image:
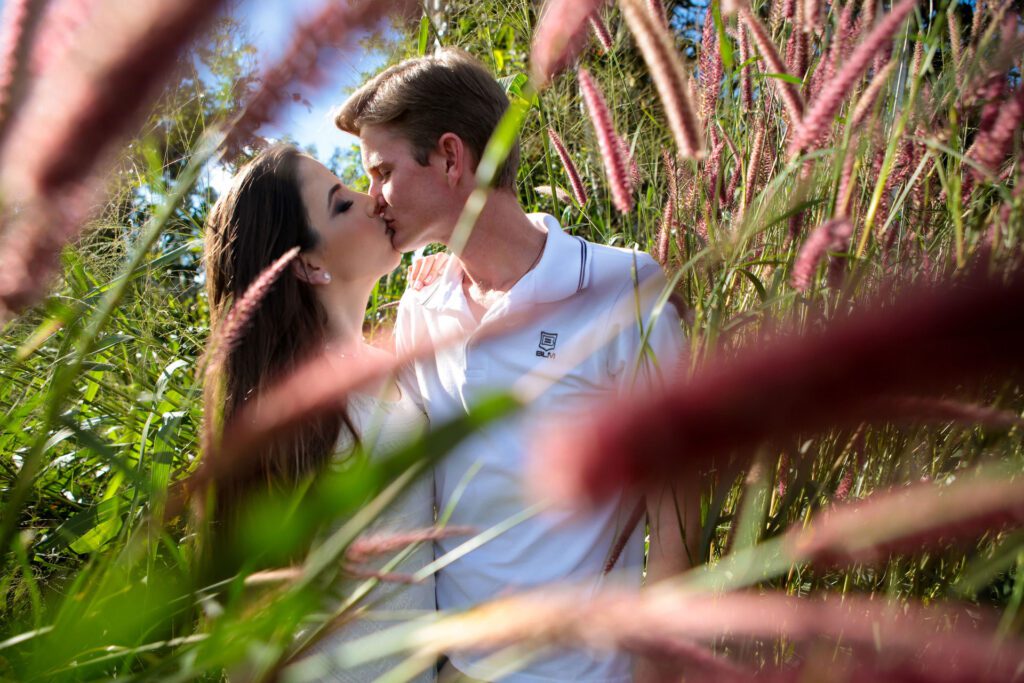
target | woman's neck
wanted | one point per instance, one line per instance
(346, 303)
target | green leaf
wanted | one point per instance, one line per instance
(724, 46)
(982, 570)
(108, 523)
(788, 78)
(758, 285)
(424, 38)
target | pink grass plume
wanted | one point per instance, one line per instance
(657, 10)
(787, 91)
(235, 324)
(833, 235)
(634, 168)
(672, 622)
(746, 83)
(367, 547)
(847, 182)
(867, 99)
(20, 18)
(710, 68)
(601, 32)
(80, 107)
(920, 517)
(60, 139)
(333, 25)
(823, 110)
(665, 230)
(993, 144)
(799, 383)
(671, 173)
(812, 16)
(616, 166)
(659, 52)
(575, 181)
(560, 35)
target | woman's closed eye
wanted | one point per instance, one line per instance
(342, 207)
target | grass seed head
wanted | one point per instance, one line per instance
(658, 49)
(615, 164)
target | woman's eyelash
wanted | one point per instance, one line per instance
(342, 207)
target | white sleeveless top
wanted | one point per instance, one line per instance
(384, 426)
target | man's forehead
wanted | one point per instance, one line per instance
(380, 144)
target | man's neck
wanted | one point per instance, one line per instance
(504, 246)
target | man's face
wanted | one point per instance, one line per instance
(413, 200)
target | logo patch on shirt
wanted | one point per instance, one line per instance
(546, 347)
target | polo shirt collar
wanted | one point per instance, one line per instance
(563, 270)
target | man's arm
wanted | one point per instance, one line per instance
(648, 352)
(653, 350)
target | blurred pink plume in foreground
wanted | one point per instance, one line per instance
(667, 622)
(560, 36)
(931, 340)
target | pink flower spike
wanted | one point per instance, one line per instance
(832, 235)
(710, 68)
(615, 165)
(601, 32)
(992, 145)
(19, 22)
(787, 91)
(669, 76)
(634, 168)
(332, 25)
(818, 119)
(657, 10)
(237, 320)
(578, 190)
(559, 36)
(665, 231)
(792, 385)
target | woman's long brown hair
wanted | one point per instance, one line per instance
(254, 223)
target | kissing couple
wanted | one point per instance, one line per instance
(537, 310)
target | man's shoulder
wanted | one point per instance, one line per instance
(610, 265)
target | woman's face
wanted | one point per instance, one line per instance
(354, 245)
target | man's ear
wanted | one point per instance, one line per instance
(307, 271)
(453, 150)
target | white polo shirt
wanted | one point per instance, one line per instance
(581, 341)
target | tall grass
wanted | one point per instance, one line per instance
(835, 196)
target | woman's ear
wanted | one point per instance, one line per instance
(453, 150)
(310, 273)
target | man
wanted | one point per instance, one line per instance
(539, 312)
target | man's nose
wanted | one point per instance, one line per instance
(371, 206)
(377, 196)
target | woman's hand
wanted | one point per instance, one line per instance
(425, 271)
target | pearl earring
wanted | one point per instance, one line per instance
(326, 276)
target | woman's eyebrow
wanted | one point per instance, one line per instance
(330, 194)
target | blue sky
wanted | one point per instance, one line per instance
(268, 24)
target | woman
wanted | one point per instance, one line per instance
(280, 200)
